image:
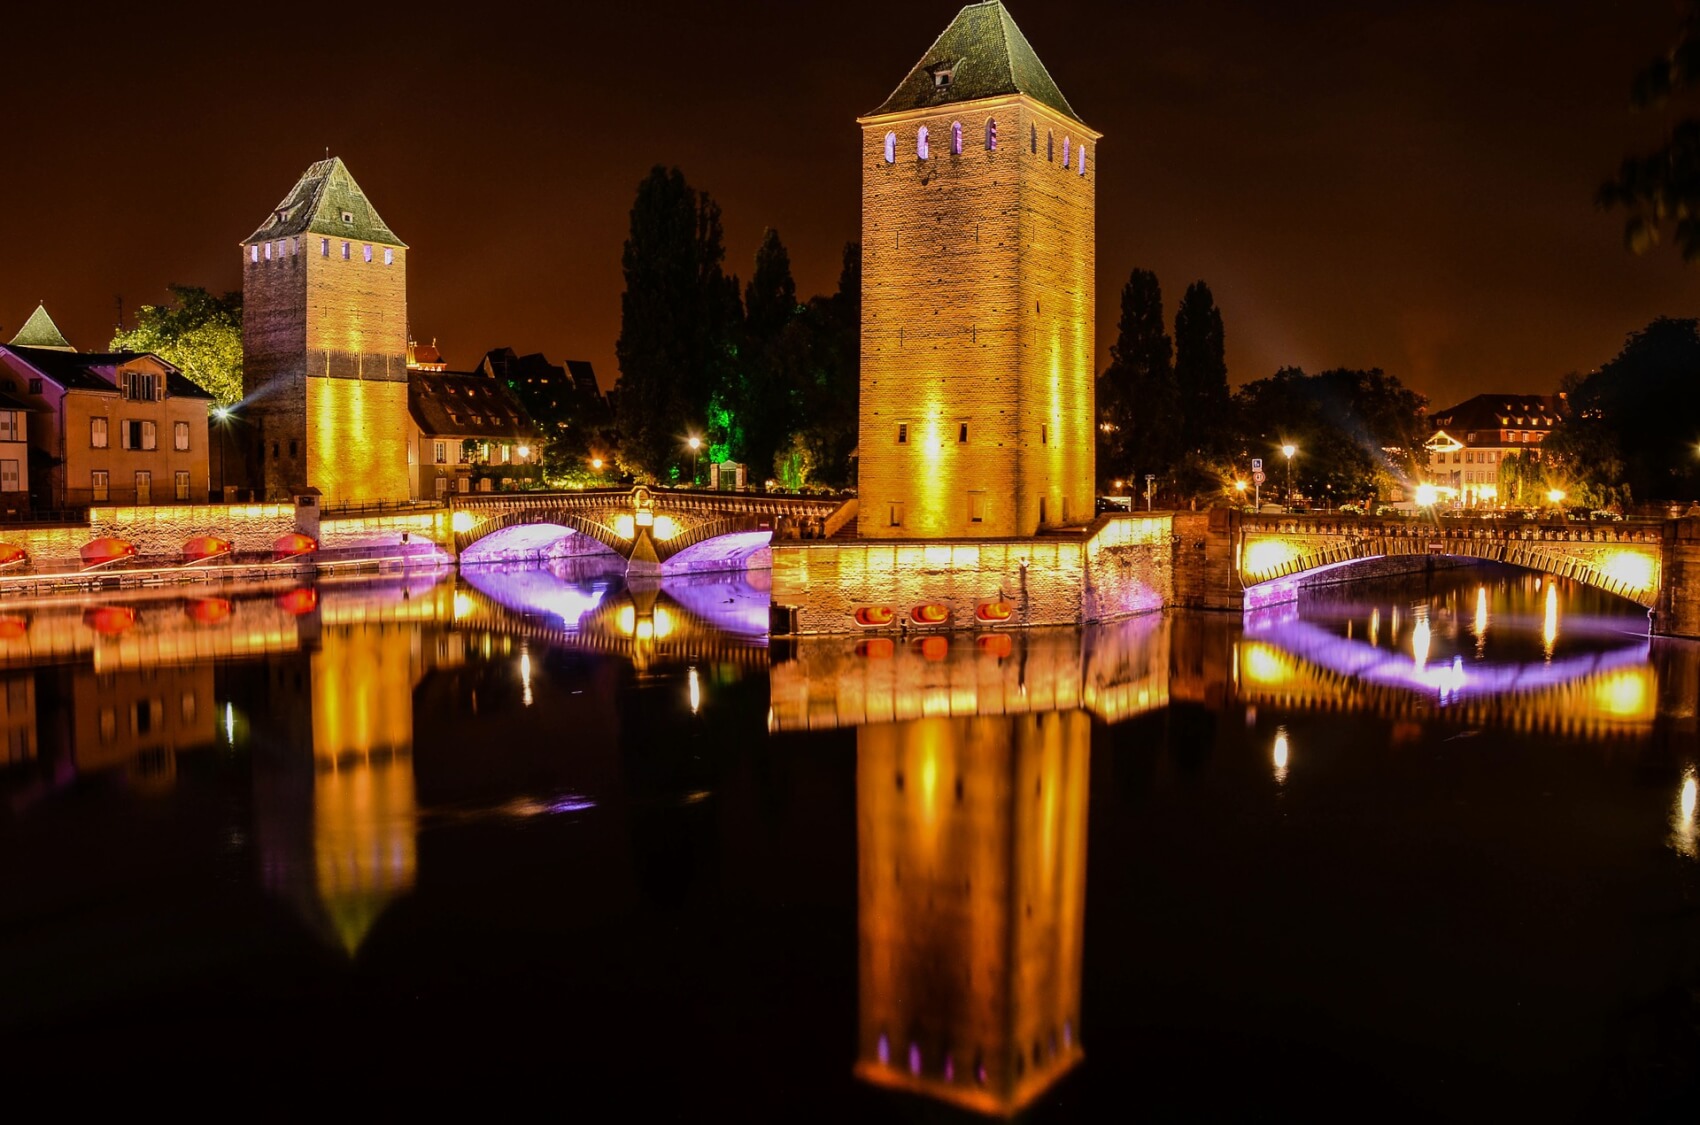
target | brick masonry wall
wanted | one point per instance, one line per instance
(1678, 611)
(1125, 568)
(977, 310)
(274, 368)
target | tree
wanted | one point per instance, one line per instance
(1633, 422)
(678, 316)
(764, 399)
(199, 334)
(1138, 398)
(1663, 187)
(1201, 373)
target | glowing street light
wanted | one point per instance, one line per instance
(1427, 495)
(695, 443)
(596, 464)
(221, 415)
(1555, 495)
(1288, 450)
(1239, 487)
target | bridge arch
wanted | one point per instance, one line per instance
(1274, 561)
(482, 527)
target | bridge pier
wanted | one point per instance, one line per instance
(1677, 612)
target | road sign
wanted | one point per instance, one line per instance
(1257, 464)
(1258, 476)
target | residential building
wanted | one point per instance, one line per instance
(469, 433)
(564, 400)
(104, 428)
(1472, 440)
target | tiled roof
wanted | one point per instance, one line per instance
(982, 54)
(465, 404)
(1500, 411)
(39, 331)
(95, 371)
(316, 205)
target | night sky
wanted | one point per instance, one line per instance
(1404, 184)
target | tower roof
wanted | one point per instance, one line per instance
(39, 331)
(982, 54)
(326, 200)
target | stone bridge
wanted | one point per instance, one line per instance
(655, 531)
(1269, 558)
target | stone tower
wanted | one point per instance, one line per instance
(324, 343)
(977, 294)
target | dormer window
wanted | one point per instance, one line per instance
(348, 218)
(943, 75)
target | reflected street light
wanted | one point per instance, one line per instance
(1288, 450)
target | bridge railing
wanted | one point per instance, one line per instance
(1381, 527)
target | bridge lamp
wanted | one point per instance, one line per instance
(1555, 495)
(1239, 487)
(695, 443)
(524, 451)
(596, 463)
(1288, 450)
(1427, 495)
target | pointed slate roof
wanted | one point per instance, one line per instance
(316, 205)
(986, 56)
(39, 331)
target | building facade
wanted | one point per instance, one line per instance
(324, 342)
(978, 226)
(106, 428)
(469, 432)
(1468, 452)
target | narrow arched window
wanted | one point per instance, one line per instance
(923, 149)
(1050, 146)
(991, 134)
(891, 148)
(1065, 154)
(1033, 139)
(956, 138)
(1081, 159)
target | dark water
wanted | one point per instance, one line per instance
(1421, 849)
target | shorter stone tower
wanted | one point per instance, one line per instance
(324, 345)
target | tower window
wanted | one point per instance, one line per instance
(389, 256)
(368, 252)
(896, 514)
(1033, 139)
(1081, 158)
(345, 251)
(943, 76)
(1050, 146)
(1065, 154)
(976, 507)
(991, 134)
(268, 251)
(324, 247)
(348, 218)
(923, 149)
(891, 148)
(903, 433)
(962, 434)
(1044, 434)
(956, 138)
(253, 253)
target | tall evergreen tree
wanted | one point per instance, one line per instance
(1138, 400)
(763, 401)
(677, 319)
(1201, 373)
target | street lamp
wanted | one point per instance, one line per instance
(695, 444)
(1239, 487)
(1289, 449)
(221, 415)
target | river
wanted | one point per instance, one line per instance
(1411, 848)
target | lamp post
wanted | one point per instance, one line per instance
(695, 444)
(1239, 487)
(1149, 477)
(221, 415)
(1289, 449)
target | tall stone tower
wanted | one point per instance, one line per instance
(324, 343)
(977, 294)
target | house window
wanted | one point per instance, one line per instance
(144, 487)
(35, 386)
(8, 476)
(991, 134)
(389, 256)
(962, 434)
(324, 247)
(891, 148)
(896, 514)
(182, 484)
(923, 149)
(956, 138)
(368, 252)
(137, 434)
(180, 436)
(442, 451)
(903, 433)
(141, 386)
(10, 429)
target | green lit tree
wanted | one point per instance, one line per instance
(678, 318)
(1138, 398)
(198, 333)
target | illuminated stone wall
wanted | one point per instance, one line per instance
(971, 838)
(977, 311)
(325, 369)
(1125, 567)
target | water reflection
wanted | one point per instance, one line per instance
(1682, 821)
(971, 835)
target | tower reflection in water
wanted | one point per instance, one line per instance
(971, 836)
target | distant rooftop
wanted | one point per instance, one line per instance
(982, 54)
(96, 371)
(1496, 410)
(39, 331)
(326, 200)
